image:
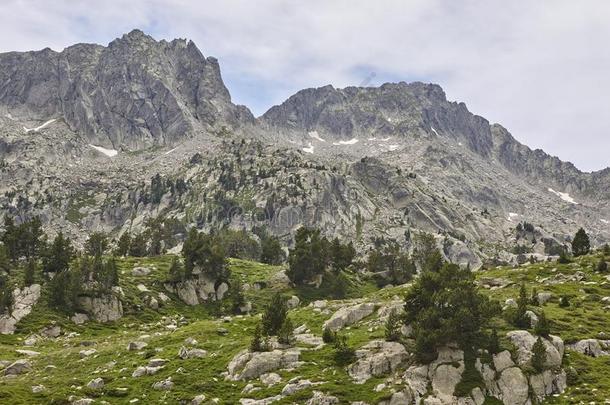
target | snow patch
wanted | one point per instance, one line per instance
(434, 130)
(170, 151)
(393, 147)
(372, 139)
(605, 221)
(308, 149)
(314, 135)
(37, 129)
(564, 196)
(350, 142)
(512, 215)
(107, 152)
(385, 139)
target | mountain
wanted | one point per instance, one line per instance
(86, 131)
(136, 92)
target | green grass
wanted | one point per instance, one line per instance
(585, 318)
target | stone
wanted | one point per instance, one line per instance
(140, 271)
(198, 400)
(190, 341)
(31, 340)
(293, 387)
(533, 318)
(163, 385)
(502, 361)
(79, 318)
(96, 384)
(319, 398)
(524, 341)
(375, 359)
(589, 347)
(163, 297)
(270, 379)
(194, 353)
(152, 302)
(416, 378)
(349, 315)
(87, 353)
(36, 389)
(18, 367)
(477, 396)
(105, 308)
(221, 290)
(247, 365)
(513, 386)
(544, 297)
(145, 370)
(83, 401)
(293, 302)
(29, 353)
(136, 346)
(309, 339)
(52, 331)
(510, 303)
(156, 362)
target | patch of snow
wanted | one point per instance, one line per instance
(372, 139)
(350, 142)
(605, 221)
(393, 147)
(564, 196)
(107, 152)
(308, 149)
(314, 135)
(460, 143)
(434, 130)
(170, 151)
(291, 141)
(37, 129)
(385, 139)
(512, 215)
(10, 117)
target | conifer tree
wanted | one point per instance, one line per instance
(543, 327)
(538, 355)
(274, 315)
(581, 244)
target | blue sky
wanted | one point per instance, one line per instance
(538, 68)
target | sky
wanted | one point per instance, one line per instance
(539, 68)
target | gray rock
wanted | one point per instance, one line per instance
(186, 353)
(140, 271)
(349, 315)
(198, 400)
(136, 346)
(106, 308)
(514, 386)
(157, 362)
(524, 342)
(36, 389)
(79, 318)
(544, 297)
(293, 302)
(291, 388)
(96, 384)
(502, 361)
(52, 331)
(375, 359)
(23, 302)
(163, 385)
(247, 365)
(270, 379)
(319, 398)
(87, 353)
(18, 367)
(589, 347)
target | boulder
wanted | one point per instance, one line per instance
(163, 385)
(544, 297)
(96, 384)
(36, 389)
(145, 370)
(23, 302)
(416, 379)
(589, 347)
(51, 331)
(105, 308)
(82, 401)
(157, 362)
(87, 353)
(221, 290)
(349, 315)
(198, 400)
(524, 341)
(18, 367)
(375, 359)
(533, 318)
(547, 383)
(186, 353)
(502, 361)
(270, 379)
(293, 387)
(136, 346)
(319, 398)
(79, 318)
(293, 302)
(194, 290)
(247, 365)
(513, 386)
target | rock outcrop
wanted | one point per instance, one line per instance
(376, 359)
(104, 308)
(247, 365)
(23, 301)
(349, 315)
(197, 290)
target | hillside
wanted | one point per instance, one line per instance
(63, 365)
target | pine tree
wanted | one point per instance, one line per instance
(285, 335)
(123, 244)
(520, 318)
(543, 327)
(344, 354)
(274, 315)
(258, 342)
(96, 244)
(564, 301)
(328, 336)
(138, 246)
(602, 266)
(581, 244)
(271, 250)
(6, 295)
(29, 273)
(539, 355)
(59, 255)
(309, 257)
(392, 326)
(176, 271)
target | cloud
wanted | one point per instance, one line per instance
(538, 68)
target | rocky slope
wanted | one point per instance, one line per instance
(84, 131)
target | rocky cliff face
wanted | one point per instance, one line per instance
(360, 163)
(134, 93)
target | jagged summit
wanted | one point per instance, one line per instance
(134, 93)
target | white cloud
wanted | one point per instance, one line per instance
(538, 68)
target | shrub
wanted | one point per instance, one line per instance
(392, 326)
(309, 258)
(581, 244)
(96, 244)
(542, 328)
(176, 271)
(539, 355)
(259, 342)
(271, 250)
(344, 354)
(519, 317)
(602, 266)
(274, 315)
(493, 345)
(285, 335)
(328, 336)
(563, 258)
(564, 301)
(29, 274)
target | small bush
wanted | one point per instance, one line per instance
(259, 342)
(493, 345)
(285, 335)
(328, 336)
(543, 327)
(274, 315)
(602, 266)
(344, 354)
(564, 301)
(392, 326)
(539, 355)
